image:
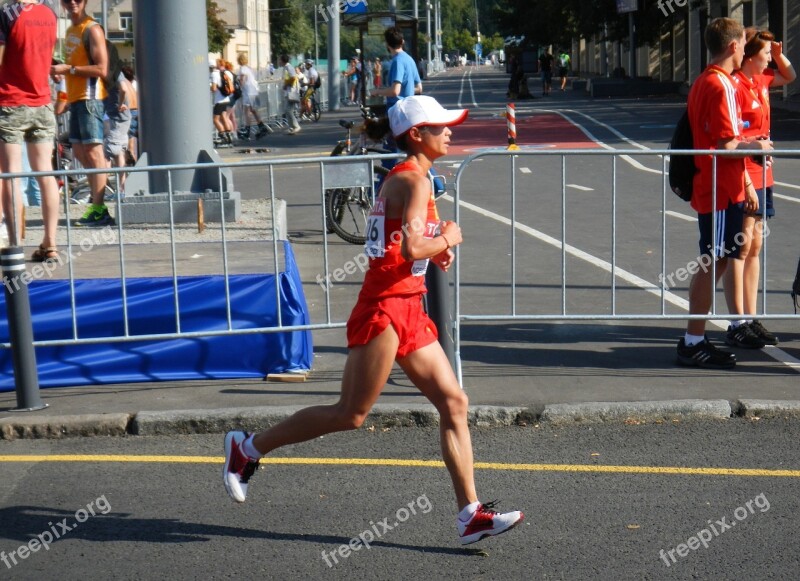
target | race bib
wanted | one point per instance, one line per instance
(376, 230)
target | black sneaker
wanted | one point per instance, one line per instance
(762, 333)
(704, 354)
(262, 131)
(744, 337)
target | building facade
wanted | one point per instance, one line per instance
(247, 20)
(681, 53)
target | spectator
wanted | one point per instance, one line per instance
(291, 91)
(221, 104)
(232, 109)
(31, 192)
(86, 66)
(755, 80)
(377, 72)
(115, 139)
(27, 39)
(715, 118)
(251, 100)
(403, 79)
(564, 63)
(546, 61)
(351, 74)
(133, 106)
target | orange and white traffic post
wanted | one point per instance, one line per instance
(511, 119)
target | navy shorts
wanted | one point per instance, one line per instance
(728, 238)
(765, 201)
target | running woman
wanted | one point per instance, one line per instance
(389, 324)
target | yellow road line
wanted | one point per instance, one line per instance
(596, 468)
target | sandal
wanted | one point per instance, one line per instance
(46, 254)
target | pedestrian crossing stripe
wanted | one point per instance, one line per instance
(395, 462)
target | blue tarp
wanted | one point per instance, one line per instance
(151, 309)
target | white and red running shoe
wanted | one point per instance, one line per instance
(487, 522)
(238, 467)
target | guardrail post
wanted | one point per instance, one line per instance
(438, 301)
(20, 330)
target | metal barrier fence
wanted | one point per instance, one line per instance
(609, 310)
(330, 178)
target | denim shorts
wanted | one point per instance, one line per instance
(29, 124)
(134, 128)
(764, 201)
(86, 121)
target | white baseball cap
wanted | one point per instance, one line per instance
(422, 110)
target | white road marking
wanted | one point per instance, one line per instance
(623, 274)
(785, 185)
(525, 170)
(582, 188)
(680, 216)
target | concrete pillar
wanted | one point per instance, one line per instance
(175, 103)
(334, 78)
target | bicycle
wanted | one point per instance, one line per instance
(347, 209)
(314, 111)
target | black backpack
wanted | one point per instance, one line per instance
(114, 62)
(681, 167)
(230, 85)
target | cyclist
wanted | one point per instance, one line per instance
(313, 83)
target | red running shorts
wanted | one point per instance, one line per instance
(405, 314)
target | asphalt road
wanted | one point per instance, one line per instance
(600, 502)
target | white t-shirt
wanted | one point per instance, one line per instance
(216, 79)
(250, 84)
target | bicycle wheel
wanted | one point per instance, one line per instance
(348, 209)
(315, 110)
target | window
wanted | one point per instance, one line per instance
(126, 20)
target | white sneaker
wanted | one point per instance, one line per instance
(487, 522)
(238, 467)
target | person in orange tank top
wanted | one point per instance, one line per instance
(755, 80)
(84, 70)
(388, 324)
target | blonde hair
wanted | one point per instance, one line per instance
(242, 59)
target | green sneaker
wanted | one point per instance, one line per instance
(95, 217)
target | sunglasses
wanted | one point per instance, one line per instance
(67, 2)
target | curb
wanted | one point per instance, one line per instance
(598, 412)
(214, 421)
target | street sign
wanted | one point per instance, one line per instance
(624, 6)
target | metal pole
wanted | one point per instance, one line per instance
(20, 330)
(316, 41)
(104, 9)
(392, 5)
(439, 310)
(171, 41)
(334, 78)
(416, 10)
(258, 43)
(428, 24)
(632, 56)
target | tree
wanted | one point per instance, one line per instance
(291, 27)
(218, 34)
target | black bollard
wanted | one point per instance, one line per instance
(20, 330)
(438, 301)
